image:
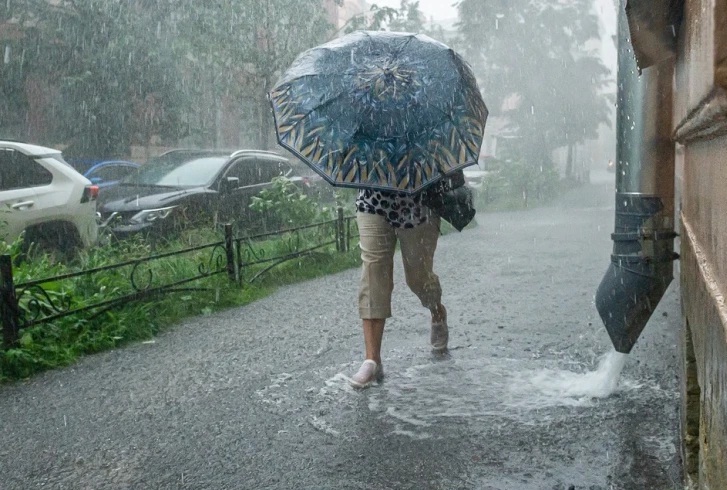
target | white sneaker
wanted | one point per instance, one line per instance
(367, 374)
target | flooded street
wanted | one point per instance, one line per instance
(257, 397)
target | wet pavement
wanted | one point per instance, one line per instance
(256, 397)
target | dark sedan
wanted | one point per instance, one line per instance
(190, 187)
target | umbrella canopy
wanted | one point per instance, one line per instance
(380, 110)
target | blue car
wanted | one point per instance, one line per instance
(109, 173)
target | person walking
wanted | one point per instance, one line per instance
(392, 114)
(383, 219)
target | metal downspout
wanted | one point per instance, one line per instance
(641, 263)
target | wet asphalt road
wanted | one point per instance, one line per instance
(255, 397)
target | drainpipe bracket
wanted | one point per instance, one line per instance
(642, 258)
(641, 235)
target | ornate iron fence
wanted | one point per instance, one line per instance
(243, 259)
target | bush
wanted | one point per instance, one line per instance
(516, 184)
(284, 205)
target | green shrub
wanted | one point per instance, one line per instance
(284, 205)
(515, 184)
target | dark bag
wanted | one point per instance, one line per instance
(451, 200)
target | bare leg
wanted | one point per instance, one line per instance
(439, 314)
(439, 336)
(373, 330)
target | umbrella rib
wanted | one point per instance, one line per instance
(398, 52)
(323, 104)
(455, 127)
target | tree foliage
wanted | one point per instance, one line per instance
(533, 54)
(122, 71)
(100, 62)
(245, 46)
(407, 18)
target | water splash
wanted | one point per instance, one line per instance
(499, 393)
(554, 387)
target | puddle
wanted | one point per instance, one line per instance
(501, 392)
(493, 392)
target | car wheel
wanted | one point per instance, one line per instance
(60, 241)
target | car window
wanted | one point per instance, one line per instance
(112, 172)
(273, 168)
(189, 173)
(18, 171)
(254, 171)
(244, 169)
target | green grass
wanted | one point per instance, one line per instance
(62, 341)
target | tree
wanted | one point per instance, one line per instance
(126, 70)
(103, 58)
(407, 18)
(245, 46)
(534, 52)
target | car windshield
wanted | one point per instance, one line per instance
(187, 173)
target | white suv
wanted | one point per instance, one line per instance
(46, 198)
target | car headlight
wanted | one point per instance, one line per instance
(149, 215)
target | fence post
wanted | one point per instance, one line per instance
(339, 230)
(230, 253)
(348, 235)
(8, 303)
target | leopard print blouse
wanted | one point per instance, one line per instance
(400, 210)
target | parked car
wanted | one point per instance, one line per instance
(109, 173)
(475, 176)
(43, 196)
(181, 188)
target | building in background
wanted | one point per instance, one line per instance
(339, 15)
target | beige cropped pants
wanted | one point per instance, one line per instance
(378, 243)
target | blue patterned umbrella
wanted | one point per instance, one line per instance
(380, 110)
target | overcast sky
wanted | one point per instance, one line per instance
(438, 9)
